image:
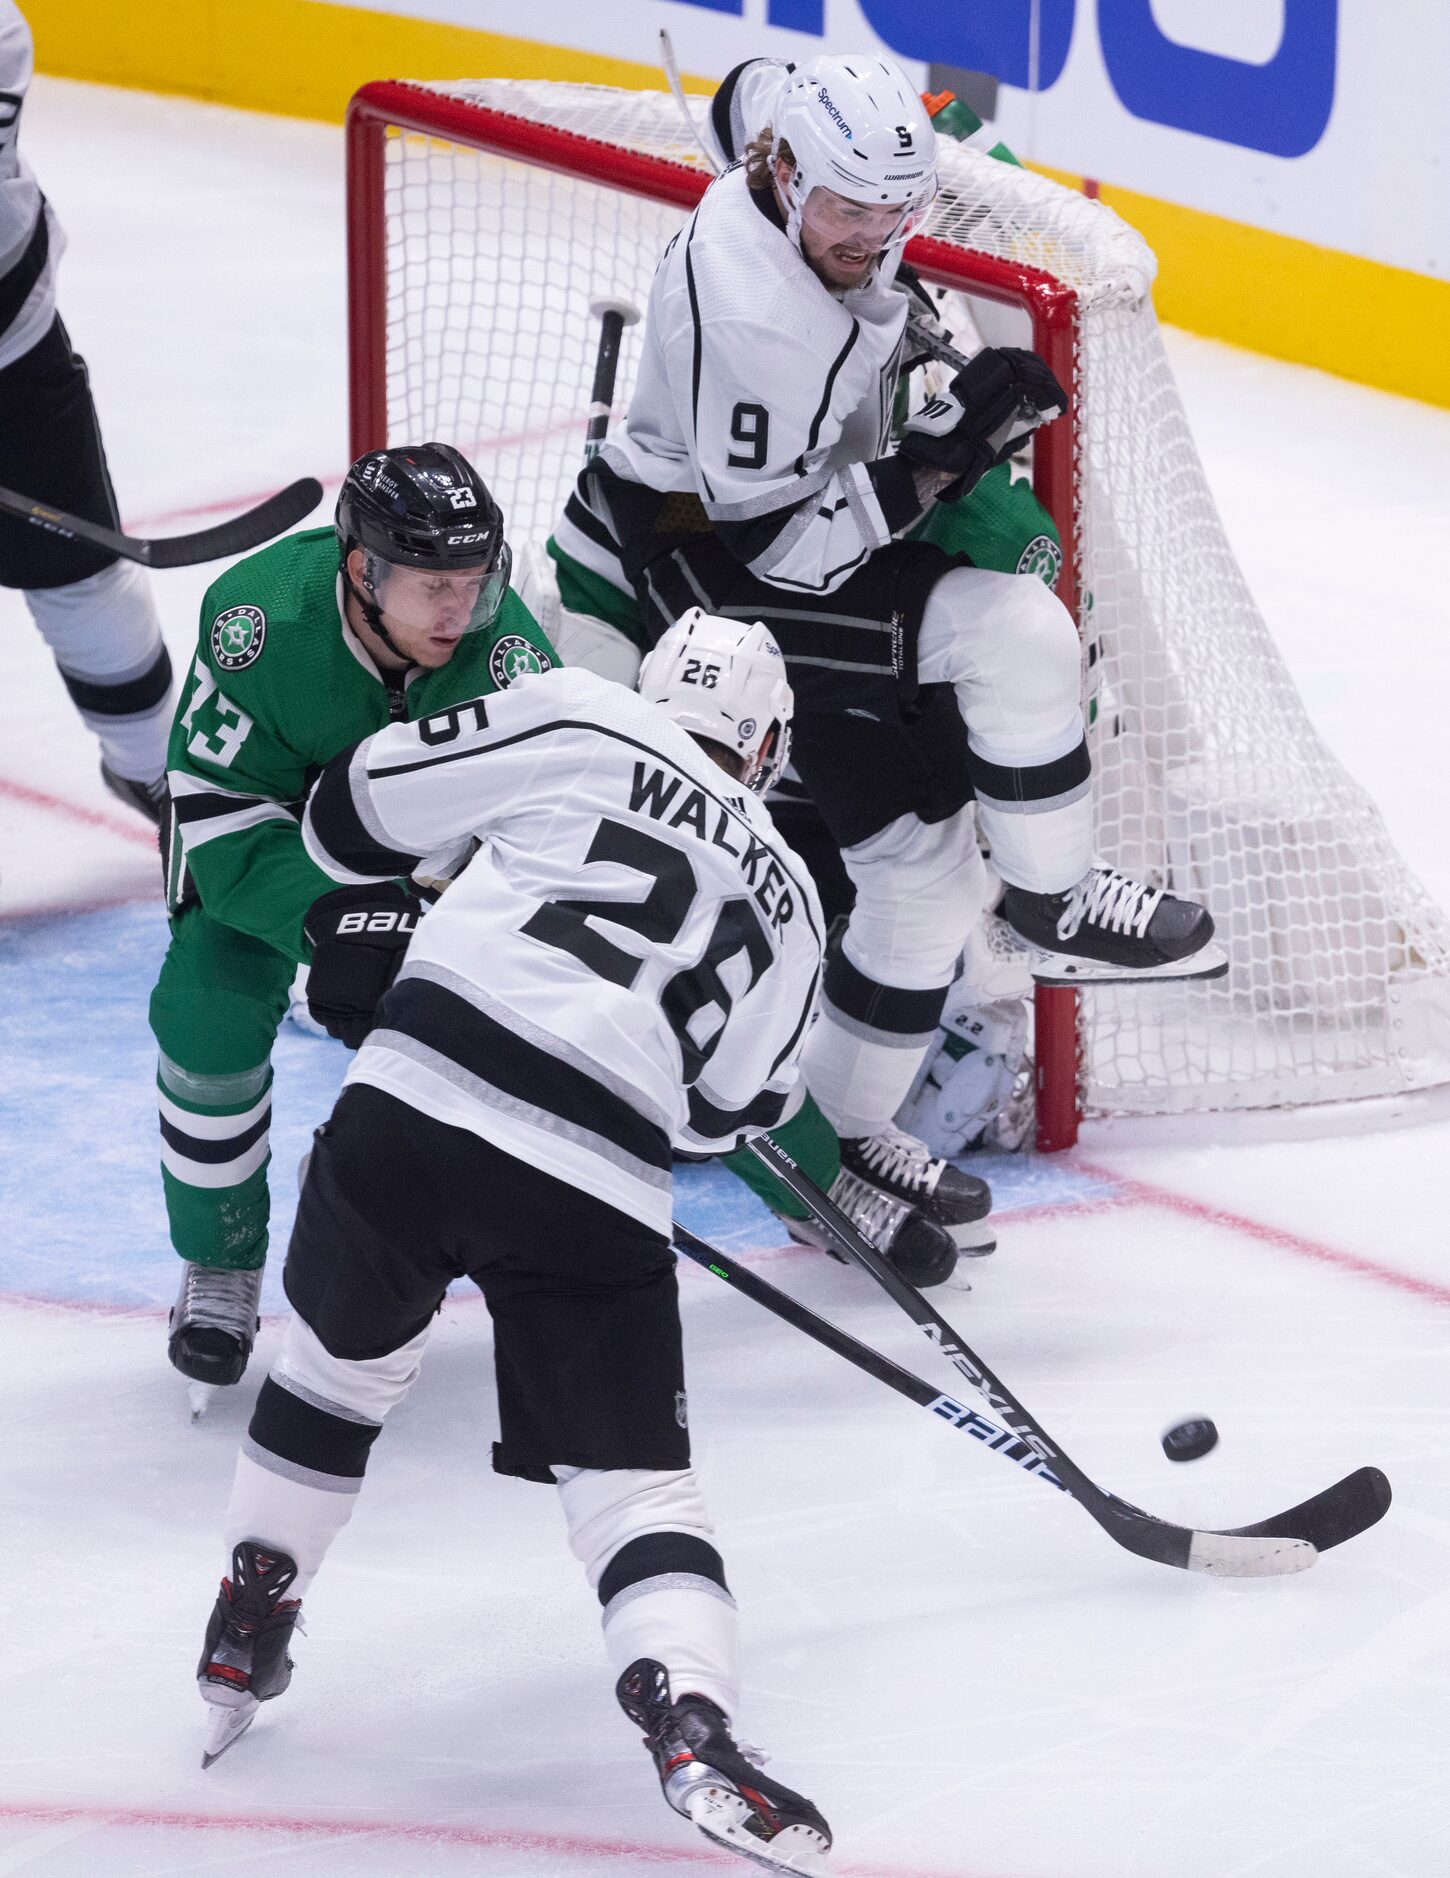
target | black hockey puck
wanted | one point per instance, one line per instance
(1190, 1441)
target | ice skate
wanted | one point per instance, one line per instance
(213, 1325)
(244, 1660)
(1111, 929)
(906, 1168)
(921, 1250)
(707, 1778)
(150, 798)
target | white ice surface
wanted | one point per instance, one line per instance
(965, 1674)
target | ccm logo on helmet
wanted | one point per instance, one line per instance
(464, 541)
(353, 923)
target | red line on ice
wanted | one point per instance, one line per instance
(45, 1812)
(237, 505)
(1143, 1193)
(74, 812)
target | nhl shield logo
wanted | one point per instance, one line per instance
(682, 1408)
(237, 637)
(513, 658)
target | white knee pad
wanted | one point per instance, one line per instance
(605, 1509)
(104, 627)
(356, 1391)
(1010, 648)
(920, 887)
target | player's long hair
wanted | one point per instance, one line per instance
(758, 173)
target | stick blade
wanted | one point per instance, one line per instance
(242, 533)
(1340, 1512)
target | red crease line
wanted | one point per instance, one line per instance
(73, 812)
(1143, 1193)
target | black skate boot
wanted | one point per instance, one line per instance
(706, 1777)
(1110, 929)
(906, 1168)
(244, 1660)
(922, 1251)
(150, 798)
(213, 1325)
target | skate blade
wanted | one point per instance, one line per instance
(974, 1239)
(226, 1725)
(198, 1396)
(1060, 968)
(719, 1814)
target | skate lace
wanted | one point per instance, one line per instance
(898, 1156)
(221, 1300)
(1111, 901)
(876, 1215)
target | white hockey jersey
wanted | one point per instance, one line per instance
(31, 240)
(627, 965)
(769, 396)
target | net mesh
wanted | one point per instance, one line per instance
(1210, 779)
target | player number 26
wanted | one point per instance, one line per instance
(697, 672)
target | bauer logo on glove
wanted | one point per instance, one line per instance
(358, 937)
(991, 407)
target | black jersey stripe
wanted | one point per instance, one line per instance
(716, 1124)
(340, 831)
(831, 376)
(1039, 782)
(698, 355)
(205, 808)
(451, 1027)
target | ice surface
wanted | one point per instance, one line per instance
(949, 1657)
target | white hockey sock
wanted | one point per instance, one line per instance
(860, 1078)
(295, 1516)
(107, 642)
(644, 1539)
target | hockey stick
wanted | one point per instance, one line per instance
(677, 92)
(1289, 1542)
(613, 316)
(238, 536)
(791, 1311)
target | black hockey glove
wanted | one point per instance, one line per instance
(990, 408)
(358, 937)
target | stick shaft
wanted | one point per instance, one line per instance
(872, 1362)
(606, 365)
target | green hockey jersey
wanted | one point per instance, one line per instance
(280, 684)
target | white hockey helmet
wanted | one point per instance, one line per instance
(857, 127)
(725, 680)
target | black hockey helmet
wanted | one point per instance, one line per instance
(422, 506)
(425, 506)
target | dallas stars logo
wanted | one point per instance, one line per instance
(1041, 557)
(237, 637)
(513, 658)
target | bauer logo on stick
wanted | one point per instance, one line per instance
(237, 637)
(514, 658)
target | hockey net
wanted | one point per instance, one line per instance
(484, 218)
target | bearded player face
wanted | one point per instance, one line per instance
(842, 240)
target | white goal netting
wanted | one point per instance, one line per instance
(1210, 777)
